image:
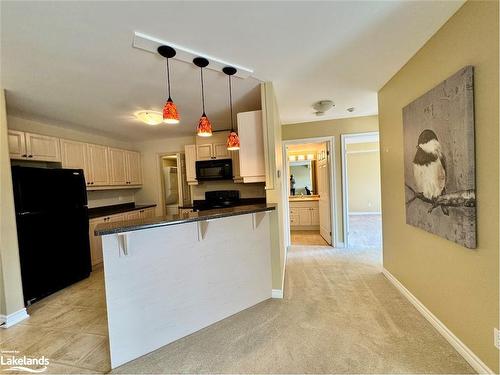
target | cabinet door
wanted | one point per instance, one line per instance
(118, 166)
(98, 162)
(305, 216)
(117, 217)
(134, 172)
(204, 152)
(42, 147)
(315, 216)
(190, 152)
(251, 153)
(134, 215)
(17, 145)
(220, 151)
(74, 155)
(95, 241)
(149, 213)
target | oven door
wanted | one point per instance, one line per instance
(214, 170)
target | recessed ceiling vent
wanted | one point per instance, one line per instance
(322, 106)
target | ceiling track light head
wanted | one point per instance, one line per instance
(166, 51)
(229, 70)
(200, 62)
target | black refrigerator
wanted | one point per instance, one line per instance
(52, 229)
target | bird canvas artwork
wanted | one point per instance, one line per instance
(438, 130)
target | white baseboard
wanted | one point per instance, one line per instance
(340, 245)
(277, 293)
(365, 213)
(14, 318)
(459, 346)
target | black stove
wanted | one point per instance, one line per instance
(217, 199)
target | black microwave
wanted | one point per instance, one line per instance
(214, 170)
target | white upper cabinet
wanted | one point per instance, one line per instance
(190, 152)
(118, 166)
(104, 167)
(134, 172)
(74, 155)
(251, 162)
(99, 164)
(42, 147)
(17, 145)
(30, 146)
(213, 147)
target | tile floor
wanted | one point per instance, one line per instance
(69, 328)
(307, 237)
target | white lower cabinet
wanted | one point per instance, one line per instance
(95, 241)
(304, 215)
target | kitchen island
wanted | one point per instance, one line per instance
(169, 276)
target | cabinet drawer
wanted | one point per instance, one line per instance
(294, 220)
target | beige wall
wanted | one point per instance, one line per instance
(459, 286)
(335, 128)
(363, 176)
(11, 294)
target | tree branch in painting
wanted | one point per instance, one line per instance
(464, 198)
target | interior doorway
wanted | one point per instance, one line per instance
(309, 192)
(361, 190)
(174, 187)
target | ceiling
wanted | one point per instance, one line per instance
(72, 63)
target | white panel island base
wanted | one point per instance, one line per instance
(166, 282)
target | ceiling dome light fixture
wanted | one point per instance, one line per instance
(322, 106)
(170, 113)
(233, 141)
(204, 128)
(149, 117)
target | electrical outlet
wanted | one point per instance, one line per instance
(496, 338)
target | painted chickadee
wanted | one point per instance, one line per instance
(429, 166)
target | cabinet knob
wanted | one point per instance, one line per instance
(30, 156)
(24, 155)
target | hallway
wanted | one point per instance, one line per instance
(339, 315)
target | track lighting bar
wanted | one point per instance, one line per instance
(151, 44)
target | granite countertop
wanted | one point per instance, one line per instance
(116, 209)
(161, 221)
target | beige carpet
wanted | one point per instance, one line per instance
(340, 315)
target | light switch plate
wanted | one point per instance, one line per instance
(496, 334)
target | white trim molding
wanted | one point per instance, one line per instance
(277, 293)
(459, 346)
(14, 318)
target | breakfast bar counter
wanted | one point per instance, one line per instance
(170, 276)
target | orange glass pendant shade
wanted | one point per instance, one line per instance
(204, 128)
(233, 141)
(170, 114)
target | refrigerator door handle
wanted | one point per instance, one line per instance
(122, 243)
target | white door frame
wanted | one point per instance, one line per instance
(370, 137)
(330, 144)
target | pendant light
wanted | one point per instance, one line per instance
(170, 114)
(204, 128)
(233, 141)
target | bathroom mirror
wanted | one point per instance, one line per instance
(302, 177)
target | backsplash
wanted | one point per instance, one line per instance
(99, 198)
(255, 190)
